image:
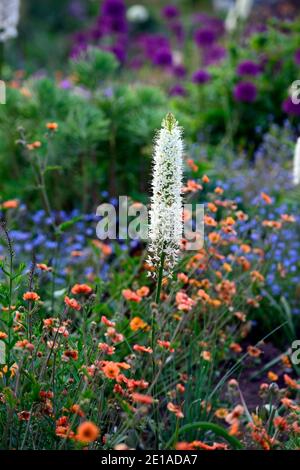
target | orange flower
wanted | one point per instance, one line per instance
(139, 348)
(111, 370)
(140, 398)
(290, 382)
(183, 278)
(107, 322)
(206, 355)
(219, 190)
(52, 126)
(175, 409)
(214, 237)
(3, 335)
(180, 388)
(143, 291)
(31, 296)
(210, 221)
(106, 349)
(77, 410)
(81, 289)
(256, 276)
(192, 187)
(272, 376)
(221, 413)
(72, 303)
(235, 347)
(280, 423)
(253, 351)
(205, 179)
(166, 345)
(266, 198)
(10, 204)
(87, 432)
(43, 267)
(129, 294)
(137, 324)
(203, 446)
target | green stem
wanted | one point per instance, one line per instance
(153, 344)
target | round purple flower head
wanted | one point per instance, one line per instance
(170, 11)
(291, 108)
(297, 57)
(245, 92)
(205, 37)
(163, 57)
(177, 90)
(179, 71)
(113, 8)
(201, 76)
(248, 67)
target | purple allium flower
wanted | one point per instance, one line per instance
(291, 108)
(163, 57)
(297, 57)
(205, 37)
(179, 71)
(214, 54)
(177, 90)
(201, 76)
(245, 92)
(170, 11)
(65, 84)
(248, 67)
(113, 8)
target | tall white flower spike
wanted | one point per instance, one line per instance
(9, 18)
(296, 172)
(166, 217)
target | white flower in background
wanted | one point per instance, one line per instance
(240, 11)
(296, 175)
(166, 224)
(243, 8)
(137, 14)
(9, 18)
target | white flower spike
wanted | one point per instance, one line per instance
(296, 173)
(9, 18)
(166, 216)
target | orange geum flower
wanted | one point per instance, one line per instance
(235, 347)
(253, 351)
(165, 345)
(140, 398)
(137, 324)
(221, 413)
(33, 296)
(210, 221)
(272, 376)
(205, 179)
(214, 237)
(143, 291)
(72, 303)
(144, 349)
(212, 207)
(291, 383)
(190, 162)
(10, 204)
(107, 322)
(87, 432)
(227, 267)
(183, 278)
(206, 355)
(191, 187)
(76, 409)
(203, 295)
(52, 126)
(236, 413)
(257, 276)
(3, 335)
(266, 198)
(288, 218)
(81, 289)
(245, 248)
(180, 388)
(290, 404)
(175, 409)
(43, 267)
(106, 348)
(219, 190)
(280, 423)
(129, 294)
(111, 370)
